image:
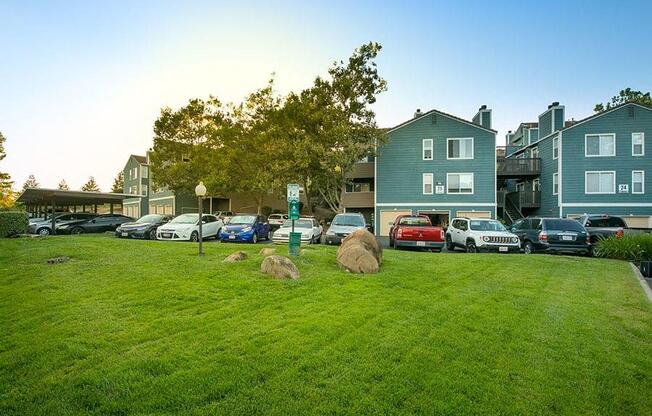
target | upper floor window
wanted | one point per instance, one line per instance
(555, 147)
(427, 149)
(535, 152)
(360, 185)
(459, 183)
(638, 144)
(638, 181)
(555, 184)
(134, 173)
(600, 182)
(427, 183)
(143, 190)
(460, 148)
(144, 172)
(599, 145)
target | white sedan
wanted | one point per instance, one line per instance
(185, 227)
(308, 227)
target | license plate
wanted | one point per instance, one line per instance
(421, 243)
(503, 249)
(125, 234)
(166, 235)
(231, 237)
(567, 238)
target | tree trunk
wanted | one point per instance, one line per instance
(306, 192)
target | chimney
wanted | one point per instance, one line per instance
(483, 117)
(418, 113)
(551, 120)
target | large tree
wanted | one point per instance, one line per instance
(6, 192)
(118, 183)
(625, 96)
(31, 182)
(63, 185)
(331, 125)
(90, 185)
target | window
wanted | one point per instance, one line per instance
(143, 172)
(597, 182)
(459, 183)
(638, 181)
(427, 183)
(144, 190)
(638, 144)
(460, 148)
(427, 149)
(536, 185)
(555, 184)
(600, 145)
(133, 190)
(535, 152)
(360, 185)
(555, 148)
(134, 174)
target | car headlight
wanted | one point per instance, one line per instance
(485, 238)
(246, 229)
(63, 227)
(514, 239)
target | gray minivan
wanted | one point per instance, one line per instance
(343, 225)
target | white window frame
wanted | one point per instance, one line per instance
(586, 182)
(431, 176)
(533, 152)
(460, 158)
(642, 172)
(536, 183)
(555, 146)
(144, 190)
(555, 183)
(642, 144)
(461, 173)
(599, 135)
(424, 147)
(144, 171)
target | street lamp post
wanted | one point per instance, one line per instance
(200, 191)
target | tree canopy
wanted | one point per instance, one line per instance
(63, 185)
(625, 96)
(7, 194)
(90, 185)
(118, 183)
(31, 182)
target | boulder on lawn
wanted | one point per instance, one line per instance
(279, 267)
(360, 252)
(235, 257)
(267, 251)
(57, 260)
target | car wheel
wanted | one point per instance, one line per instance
(528, 247)
(194, 237)
(43, 232)
(254, 239)
(77, 230)
(449, 243)
(471, 247)
(152, 234)
(391, 242)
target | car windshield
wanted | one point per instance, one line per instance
(563, 225)
(487, 225)
(348, 220)
(415, 221)
(275, 216)
(243, 220)
(185, 219)
(298, 224)
(148, 219)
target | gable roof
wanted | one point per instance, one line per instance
(140, 159)
(441, 113)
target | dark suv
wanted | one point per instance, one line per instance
(552, 235)
(99, 224)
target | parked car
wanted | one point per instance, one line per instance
(247, 228)
(552, 235)
(225, 216)
(98, 224)
(144, 227)
(308, 227)
(481, 234)
(44, 226)
(185, 227)
(603, 226)
(276, 221)
(415, 231)
(343, 225)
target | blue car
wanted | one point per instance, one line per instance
(247, 228)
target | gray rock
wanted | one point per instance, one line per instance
(235, 257)
(279, 267)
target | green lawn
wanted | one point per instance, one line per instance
(138, 327)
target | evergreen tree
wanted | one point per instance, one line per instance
(90, 185)
(63, 185)
(118, 183)
(31, 182)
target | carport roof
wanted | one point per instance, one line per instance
(60, 197)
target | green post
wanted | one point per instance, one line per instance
(295, 238)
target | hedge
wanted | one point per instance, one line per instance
(637, 247)
(12, 223)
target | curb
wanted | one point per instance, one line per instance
(642, 281)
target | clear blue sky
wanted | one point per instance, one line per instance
(81, 83)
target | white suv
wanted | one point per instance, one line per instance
(479, 234)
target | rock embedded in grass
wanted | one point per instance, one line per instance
(267, 251)
(360, 252)
(235, 257)
(57, 260)
(279, 267)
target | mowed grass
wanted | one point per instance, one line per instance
(139, 327)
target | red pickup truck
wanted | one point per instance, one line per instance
(416, 231)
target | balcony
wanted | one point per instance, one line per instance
(518, 167)
(358, 199)
(520, 199)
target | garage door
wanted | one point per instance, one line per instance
(638, 222)
(474, 214)
(387, 219)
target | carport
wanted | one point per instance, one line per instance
(39, 199)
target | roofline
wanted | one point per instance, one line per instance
(452, 117)
(594, 116)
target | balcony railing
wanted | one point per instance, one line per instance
(521, 199)
(517, 167)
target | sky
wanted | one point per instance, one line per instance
(81, 83)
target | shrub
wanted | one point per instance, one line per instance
(637, 247)
(12, 223)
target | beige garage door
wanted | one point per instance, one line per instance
(387, 219)
(474, 214)
(638, 222)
